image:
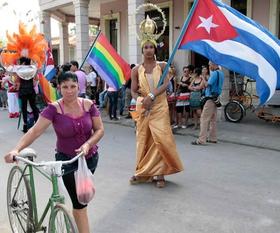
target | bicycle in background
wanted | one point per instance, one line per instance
(21, 197)
(240, 91)
(240, 100)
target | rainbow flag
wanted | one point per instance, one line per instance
(50, 93)
(111, 67)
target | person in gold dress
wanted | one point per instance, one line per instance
(156, 149)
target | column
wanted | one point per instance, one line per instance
(274, 17)
(63, 43)
(225, 95)
(226, 87)
(45, 24)
(134, 47)
(82, 29)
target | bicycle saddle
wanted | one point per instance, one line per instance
(28, 153)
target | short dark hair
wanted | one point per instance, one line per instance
(190, 67)
(66, 67)
(25, 61)
(66, 76)
(75, 63)
(197, 71)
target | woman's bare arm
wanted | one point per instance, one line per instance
(134, 82)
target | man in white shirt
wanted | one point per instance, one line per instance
(92, 83)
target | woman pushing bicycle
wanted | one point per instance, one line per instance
(78, 127)
(76, 121)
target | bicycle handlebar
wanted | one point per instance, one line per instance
(48, 163)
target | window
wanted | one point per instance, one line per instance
(113, 30)
(240, 5)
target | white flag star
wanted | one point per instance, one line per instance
(207, 23)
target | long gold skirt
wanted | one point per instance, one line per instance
(156, 148)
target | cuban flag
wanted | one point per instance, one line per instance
(236, 42)
(50, 71)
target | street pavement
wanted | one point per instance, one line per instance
(225, 187)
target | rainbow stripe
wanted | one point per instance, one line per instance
(50, 93)
(111, 67)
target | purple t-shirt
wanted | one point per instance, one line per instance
(71, 132)
(82, 80)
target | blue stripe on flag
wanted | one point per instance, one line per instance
(246, 19)
(232, 63)
(258, 45)
(50, 75)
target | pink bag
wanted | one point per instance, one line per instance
(84, 183)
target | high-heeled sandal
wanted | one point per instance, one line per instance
(139, 179)
(160, 183)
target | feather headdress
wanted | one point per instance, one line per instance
(25, 44)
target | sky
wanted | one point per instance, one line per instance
(12, 11)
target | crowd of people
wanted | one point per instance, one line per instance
(184, 94)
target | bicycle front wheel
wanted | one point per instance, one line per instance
(19, 201)
(61, 221)
(234, 111)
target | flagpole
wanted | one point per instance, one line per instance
(90, 48)
(186, 24)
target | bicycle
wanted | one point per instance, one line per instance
(240, 101)
(241, 94)
(21, 197)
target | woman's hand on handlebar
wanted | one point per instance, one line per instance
(84, 148)
(9, 158)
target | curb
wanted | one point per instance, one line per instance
(176, 132)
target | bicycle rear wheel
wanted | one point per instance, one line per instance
(234, 111)
(61, 221)
(19, 201)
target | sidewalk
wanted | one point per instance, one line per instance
(251, 131)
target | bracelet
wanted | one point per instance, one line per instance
(152, 96)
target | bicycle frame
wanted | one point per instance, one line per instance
(52, 177)
(55, 196)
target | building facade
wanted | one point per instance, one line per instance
(116, 19)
